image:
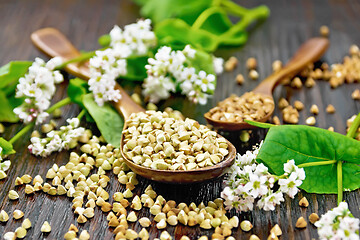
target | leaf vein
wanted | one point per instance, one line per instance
(300, 153)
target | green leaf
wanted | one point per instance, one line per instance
(159, 10)
(307, 144)
(6, 109)
(173, 20)
(12, 71)
(9, 77)
(177, 33)
(237, 34)
(211, 29)
(202, 61)
(76, 89)
(136, 68)
(218, 23)
(233, 38)
(108, 121)
(7, 148)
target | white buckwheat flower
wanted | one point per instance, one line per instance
(158, 88)
(289, 185)
(338, 223)
(198, 97)
(256, 186)
(189, 52)
(176, 66)
(269, 201)
(248, 182)
(295, 177)
(218, 64)
(137, 37)
(206, 81)
(290, 167)
(106, 66)
(187, 79)
(38, 88)
(232, 200)
(65, 138)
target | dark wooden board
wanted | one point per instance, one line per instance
(83, 21)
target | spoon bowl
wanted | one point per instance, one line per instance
(309, 52)
(236, 126)
(183, 177)
(54, 44)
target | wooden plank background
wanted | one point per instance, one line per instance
(83, 21)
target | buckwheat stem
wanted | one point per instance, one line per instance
(204, 16)
(354, 126)
(235, 8)
(312, 164)
(339, 182)
(81, 114)
(57, 105)
(21, 132)
(351, 133)
(81, 58)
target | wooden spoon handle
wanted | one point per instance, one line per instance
(55, 44)
(309, 52)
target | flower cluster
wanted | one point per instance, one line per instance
(248, 181)
(137, 38)
(65, 138)
(38, 88)
(109, 64)
(338, 223)
(293, 178)
(105, 67)
(4, 166)
(171, 69)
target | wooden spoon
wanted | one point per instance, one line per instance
(53, 43)
(309, 52)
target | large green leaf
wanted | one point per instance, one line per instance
(211, 29)
(177, 33)
(7, 147)
(6, 109)
(307, 144)
(12, 71)
(218, 23)
(108, 121)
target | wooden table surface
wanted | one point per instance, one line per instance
(83, 21)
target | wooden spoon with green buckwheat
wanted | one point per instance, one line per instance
(53, 43)
(309, 52)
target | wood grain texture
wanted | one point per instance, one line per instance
(83, 21)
